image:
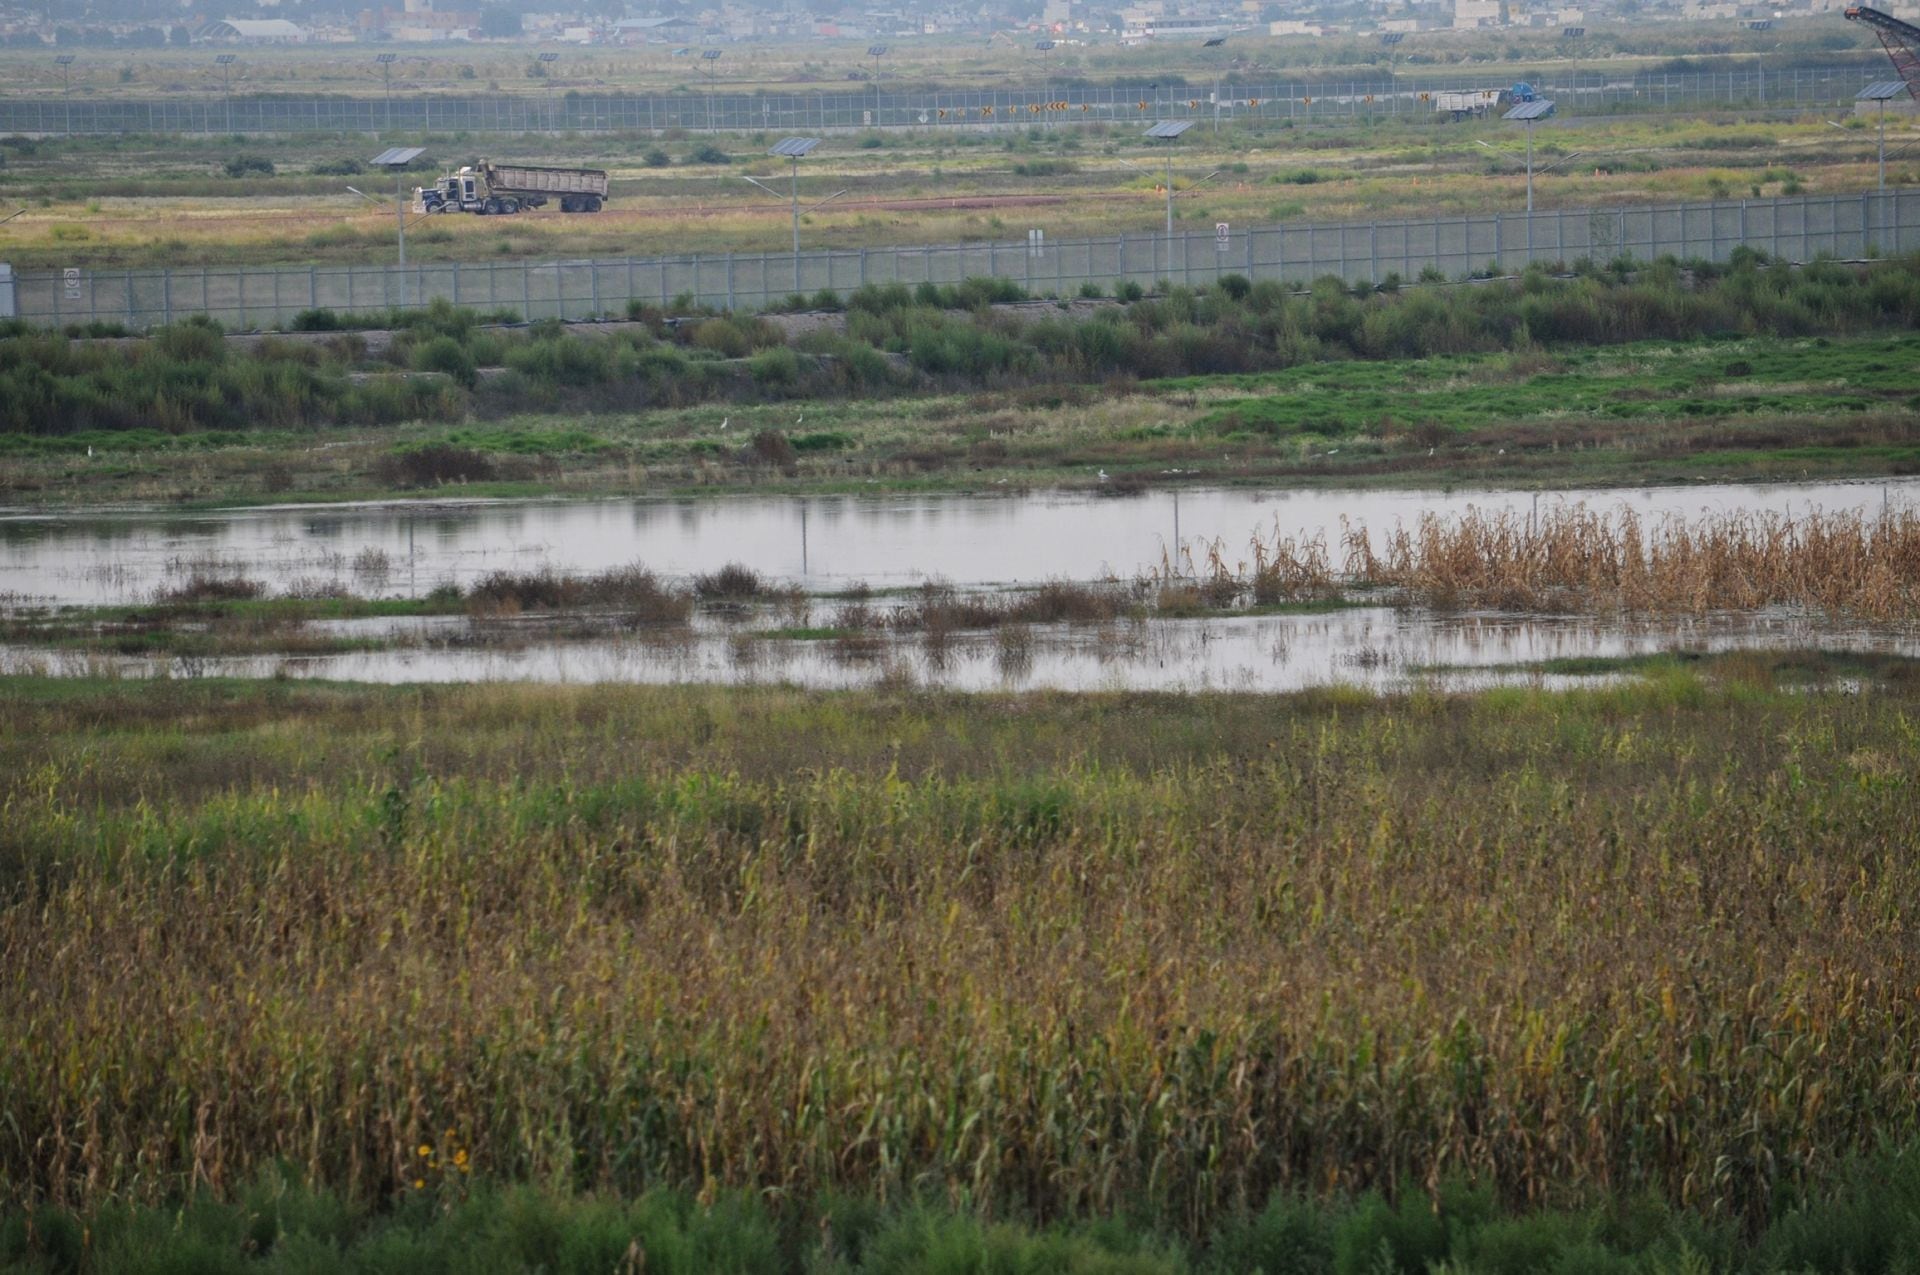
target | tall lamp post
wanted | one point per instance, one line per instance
(386, 61)
(1217, 42)
(225, 62)
(1047, 46)
(710, 63)
(1573, 36)
(1390, 40)
(65, 63)
(396, 159)
(1530, 113)
(793, 149)
(546, 61)
(1882, 92)
(1760, 57)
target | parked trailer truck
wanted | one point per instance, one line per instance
(1477, 103)
(500, 189)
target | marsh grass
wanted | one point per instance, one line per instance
(635, 591)
(1043, 957)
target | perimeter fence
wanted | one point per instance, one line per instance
(1796, 229)
(1043, 103)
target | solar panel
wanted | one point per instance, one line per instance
(1530, 111)
(1043, 45)
(1167, 130)
(876, 50)
(1215, 43)
(397, 156)
(1881, 91)
(1393, 37)
(710, 54)
(1574, 33)
(795, 147)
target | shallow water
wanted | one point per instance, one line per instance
(1375, 647)
(818, 542)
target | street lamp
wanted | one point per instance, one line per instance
(386, 61)
(1169, 131)
(225, 62)
(1530, 113)
(710, 62)
(65, 63)
(794, 149)
(1047, 46)
(876, 52)
(1573, 35)
(546, 61)
(1760, 58)
(1390, 40)
(1218, 41)
(1882, 92)
(397, 158)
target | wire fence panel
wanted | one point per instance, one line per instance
(1408, 95)
(1799, 228)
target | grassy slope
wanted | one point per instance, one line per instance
(1651, 412)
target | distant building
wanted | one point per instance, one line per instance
(253, 31)
(420, 21)
(1478, 13)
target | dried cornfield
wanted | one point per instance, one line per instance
(1048, 957)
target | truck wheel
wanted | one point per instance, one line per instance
(592, 204)
(568, 205)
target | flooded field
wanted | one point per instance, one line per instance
(1378, 647)
(816, 543)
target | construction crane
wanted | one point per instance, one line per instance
(1902, 41)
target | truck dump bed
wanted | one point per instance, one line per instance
(512, 178)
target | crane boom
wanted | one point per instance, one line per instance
(1902, 42)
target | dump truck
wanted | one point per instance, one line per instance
(500, 189)
(1477, 103)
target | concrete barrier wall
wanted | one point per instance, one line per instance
(1795, 229)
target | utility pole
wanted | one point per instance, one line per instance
(546, 63)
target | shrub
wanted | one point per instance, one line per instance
(249, 165)
(732, 582)
(446, 354)
(434, 465)
(708, 153)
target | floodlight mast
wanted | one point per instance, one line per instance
(386, 74)
(225, 62)
(1168, 131)
(1573, 35)
(710, 58)
(1529, 113)
(546, 61)
(65, 63)
(1760, 57)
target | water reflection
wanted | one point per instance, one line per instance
(1373, 647)
(820, 542)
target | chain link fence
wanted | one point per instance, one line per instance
(1301, 101)
(1795, 229)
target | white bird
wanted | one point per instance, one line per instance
(1103, 475)
(1333, 451)
(89, 453)
(725, 421)
(1429, 451)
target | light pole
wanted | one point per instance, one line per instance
(1047, 46)
(794, 149)
(710, 62)
(225, 62)
(1168, 131)
(396, 158)
(546, 61)
(1760, 57)
(1530, 113)
(65, 63)
(1573, 36)
(1882, 93)
(386, 74)
(1217, 42)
